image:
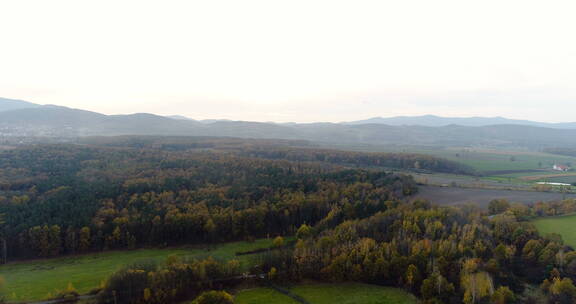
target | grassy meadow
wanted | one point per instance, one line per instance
(36, 280)
(498, 162)
(505, 166)
(349, 293)
(563, 225)
(506, 162)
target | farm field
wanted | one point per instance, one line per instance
(496, 162)
(501, 169)
(563, 225)
(351, 293)
(505, 169)
(36, 280)
(481, 197)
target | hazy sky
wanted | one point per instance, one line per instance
(294, 60)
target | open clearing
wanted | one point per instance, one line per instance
(482, 197)
(351, 293)
(563, 225)
(36, 280)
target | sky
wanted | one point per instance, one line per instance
(292, 60)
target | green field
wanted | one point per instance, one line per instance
(262, 296)
(484, 160)
(507, 166)
(328, 294)
(491, 162)
(494, 161)
(563, 225)
(517, 168)
(36, 280)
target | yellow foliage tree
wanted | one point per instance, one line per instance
(278, 242)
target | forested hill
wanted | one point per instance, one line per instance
(62, 199)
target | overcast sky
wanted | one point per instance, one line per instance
(294, 60)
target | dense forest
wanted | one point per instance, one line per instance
(441, 254)
(67, 199)
(293, 150)
(351, 222)
(415, 162)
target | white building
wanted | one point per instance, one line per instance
(561, 168)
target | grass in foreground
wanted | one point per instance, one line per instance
(36, 280)
(348, 293)
(262, 296)
(563, 225)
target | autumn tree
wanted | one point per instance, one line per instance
(412, 277)
(84, 239)
(214, 297)
(437, 287)
(503, 295)
(562, 291)
(498, 206)
(477, 285)
(303, 232)
(278, 242)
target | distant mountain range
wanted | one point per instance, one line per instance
(21, 119)
(437, 121)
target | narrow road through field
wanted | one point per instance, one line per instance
(292, 295)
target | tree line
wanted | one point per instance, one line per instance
(294, 150)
